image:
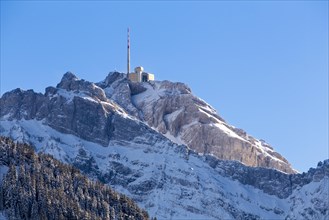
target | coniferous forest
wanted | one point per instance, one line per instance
(37, 186)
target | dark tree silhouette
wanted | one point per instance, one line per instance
(37, 186)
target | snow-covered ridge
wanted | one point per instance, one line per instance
(160, 145)
(171, 182)
(172, 110)
(90, 111)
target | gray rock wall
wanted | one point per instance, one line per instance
(178, 112)
(105, 111)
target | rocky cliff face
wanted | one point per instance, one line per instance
(76, 107)
(173, 182)
(95, 112)
(161, 146)
(172, 109)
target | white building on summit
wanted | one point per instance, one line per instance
(139, 75)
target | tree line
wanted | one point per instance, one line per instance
(37, 186)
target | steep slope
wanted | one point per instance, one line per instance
(106, 130)
(39, 187)
(76, 107)
(172, 109)
(95, 112)
(171, 182)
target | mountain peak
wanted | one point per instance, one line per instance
(67, 80)
(169, 108)
(158, 140)
(172, 110)
(72, 83)
(111, 77)
(69, 76)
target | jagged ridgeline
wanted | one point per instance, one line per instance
(155, 142)
(37, 186)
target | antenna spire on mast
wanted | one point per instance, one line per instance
(128, 53)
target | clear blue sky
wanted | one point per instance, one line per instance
(263, 65)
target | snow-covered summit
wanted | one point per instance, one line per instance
(89, 111)
(172, 110)
(164, 147)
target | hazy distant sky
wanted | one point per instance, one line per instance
(262, 64)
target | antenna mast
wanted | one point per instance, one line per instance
(128, 53)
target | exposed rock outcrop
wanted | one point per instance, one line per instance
(76, 107)
(174, 111)
(162, 146)
(116, 109)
